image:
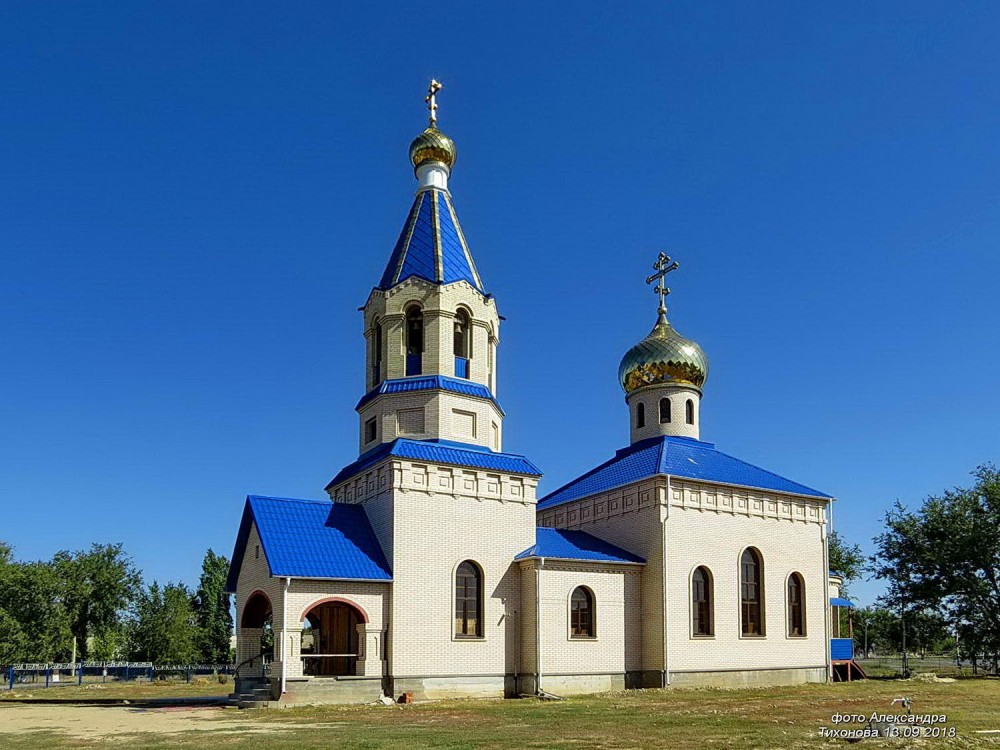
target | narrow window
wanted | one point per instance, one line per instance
(463, 344)
(751, 593)
(689, 411)
(796, 605)
(581, 613)
(468, 601)
(664, 410)
(256, 552)
(377, 366)
(640, 415)
(491, 349)
(414, 340)
(701, 602)
(370, 430)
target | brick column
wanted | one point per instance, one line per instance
(293, 644)
(248, 645)
(371, 656)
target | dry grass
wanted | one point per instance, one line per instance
(750, 719)
(133, 690)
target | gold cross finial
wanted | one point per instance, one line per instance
(662, 266)
(431, 100)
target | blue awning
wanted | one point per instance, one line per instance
(836, 601)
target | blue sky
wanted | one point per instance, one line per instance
(194, 201)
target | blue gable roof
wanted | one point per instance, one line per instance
(673, 456)
(310, 539)
(431, 245)
(440, 451)
(427, 383)
(563, 544)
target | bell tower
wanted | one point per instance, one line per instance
(431, 329)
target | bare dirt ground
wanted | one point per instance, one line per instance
(98, 722)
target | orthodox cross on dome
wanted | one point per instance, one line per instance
(431, 100)
(663, 266)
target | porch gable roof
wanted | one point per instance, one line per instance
(310, 539)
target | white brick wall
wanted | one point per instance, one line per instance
(435, 529)
(649, 396)
(445, 415)
(432, 517)
(785, 546)
(561, 653)
(710, 525)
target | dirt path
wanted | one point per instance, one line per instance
(95, 722)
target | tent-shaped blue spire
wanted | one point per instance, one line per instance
(431, 245)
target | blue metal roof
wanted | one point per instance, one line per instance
(310, 539)
(673, 456)
(431, 245)
(442, 452)
(428, 383)
(563, 544)
(837, 601)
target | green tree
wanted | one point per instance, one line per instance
(165, 628)
(215, 621)
(845, 559)
(883, 630)
(31, 596)
(100, 584)
(945, 559)
(13, 642)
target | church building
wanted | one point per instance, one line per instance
(434, 567)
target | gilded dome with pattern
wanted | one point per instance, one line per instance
(664, 357)
(433, 145)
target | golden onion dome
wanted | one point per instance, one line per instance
(433, 145)
(663, 357)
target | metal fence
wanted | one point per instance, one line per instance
(91, 672)
(942, 664)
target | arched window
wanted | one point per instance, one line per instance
(377, 365)
(701, 602)
(689, 411)
(751, 593)
(796, 605)
(414, 340)
(468, 601)
(640, 415)
(664, 410)
(581, 613)
(463, 344)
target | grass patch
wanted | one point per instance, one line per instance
(693, 719)
(134, 689)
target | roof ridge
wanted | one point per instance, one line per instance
(619, 454)
(290, 499)
(431, 245)
(773, 474)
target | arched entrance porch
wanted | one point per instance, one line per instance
(329, 645)
(256, 635)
